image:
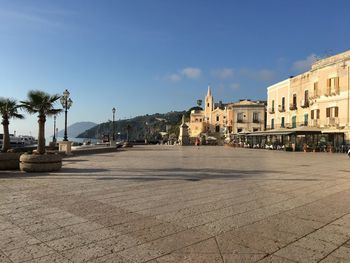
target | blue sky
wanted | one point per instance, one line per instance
(159, 55)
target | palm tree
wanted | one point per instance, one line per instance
(8, 109)
(41, 103)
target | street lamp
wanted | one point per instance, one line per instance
(66, 104)
(113, 129)
(54, 129)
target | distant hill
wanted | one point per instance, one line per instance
(77, 128)
(139, 127)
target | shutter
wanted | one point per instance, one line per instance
(312, 114)
(318, 114)
(328, 92)
(336, 111)
(328, 112)
(337, 85)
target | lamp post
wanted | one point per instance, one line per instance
(66, 104)
(54, 129)
(113, 123)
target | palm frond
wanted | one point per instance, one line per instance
(9, 108)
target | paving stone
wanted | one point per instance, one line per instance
(29, 252)
(180, 204)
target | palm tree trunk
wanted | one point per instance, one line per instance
(6, 145)
(41, 135)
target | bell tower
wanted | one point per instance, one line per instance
(209, 105)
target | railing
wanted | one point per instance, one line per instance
(305, 103)
(332, 121)
(281, 108)
(314, 123)
(271, 110)
(240, 121)
(292, 106)
(256, 121)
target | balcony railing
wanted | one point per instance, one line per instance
(271, 110)
(256, 121)
(240, 121)
(305, 103)
(314, 123)
(281, 108)
(292, 106)
(332, 121)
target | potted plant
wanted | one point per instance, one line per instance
(41, 103)
(9, 160)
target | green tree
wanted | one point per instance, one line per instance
(8, 109)
(41, 103)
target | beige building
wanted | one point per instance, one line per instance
(229, 118)
(318, 99)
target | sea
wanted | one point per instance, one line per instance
(77, 140)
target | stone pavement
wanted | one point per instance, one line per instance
(180, 204)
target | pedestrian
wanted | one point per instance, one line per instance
(348, 153)
(197, 142)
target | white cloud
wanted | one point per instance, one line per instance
(191, 73)
(223, 73)
(304, 64)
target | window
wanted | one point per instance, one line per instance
(283, 104)
(306, 119)
(217, 128)
(317, 114)
(306, 97)
(239, 130)
(217, 118)
(312, 114)
(333, 86)
(256, 117)
(294, 100)
(328, 112)
(336, 111)
(294, 121)
(273, 105)
(272, 123)
(240, 117)
(282, 122)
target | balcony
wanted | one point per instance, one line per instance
(314, 123)
(271, 110)
(332, 121)
(281, 108)
(292, 106)
(240, 120)
(256, 121)
(305, 103)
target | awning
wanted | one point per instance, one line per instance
(271, 132)
(334, 131)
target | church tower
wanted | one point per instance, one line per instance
(209, 105)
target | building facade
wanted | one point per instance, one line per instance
(229, 118)
(318, 99)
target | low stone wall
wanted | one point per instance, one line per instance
(95, 150)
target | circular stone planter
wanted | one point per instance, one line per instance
(9, 161)
(32, 163)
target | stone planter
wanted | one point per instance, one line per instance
(9, 161)
(32, 163)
